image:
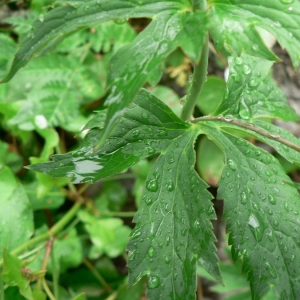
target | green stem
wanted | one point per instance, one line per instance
(53, 230)
(249, 127)
(55, 276)
(97, 275)
(199, 77)
(47, 290)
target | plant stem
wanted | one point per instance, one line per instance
(55, 276)
(249, 127)
(2, 294)
(199, 77)
(97, 275)
(53, 230)
(47, 290)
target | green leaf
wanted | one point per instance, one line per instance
(211, 95)
(252, 92)
(7, 49)
(263, 216)
(147, 128)
(235, 24)
(173, 228)
(134, 292)
(13, 276)
(59, 22)
(9, 158)
(16, 219)
(109, 236)
(171, 242)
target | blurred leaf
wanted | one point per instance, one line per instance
(113, 196)
(211, 95)
(169, 97)
(11, 159)
(13, 276)
(134, 292)
(109, 236)
(16, 218)
(81, 296)
(7, 49)
(210, 162)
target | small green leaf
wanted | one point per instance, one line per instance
(252, 92)
(12, 274)
(211, 95)
(234, 25)
(16, 218)
(263, 214)
(109, 236)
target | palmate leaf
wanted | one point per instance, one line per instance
(234, 25)
(173, 228)
(252, 92)
(262, 211)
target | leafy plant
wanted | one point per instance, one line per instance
(173, 231)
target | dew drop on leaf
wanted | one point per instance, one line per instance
(231, 164)
(238, 60)
(148, 200)
(244, 199)
(270, 235)
(151, 251)
(145, 116)
(153, 282)
(244, 110)
(170, 186)
(255, 228)
(270, 212)
(271, 270)
(253, 83)
(246, 69)
(167, 260)
(292, 258)
(286, 206)
(152, 185)
(135, 133)
(271, 199)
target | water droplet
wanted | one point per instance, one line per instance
(153, 282)
(167, 260)
(162, 132)
(244, 110)
(170, 186)
(246, 69)
(255, 227)
(168, 240)
(255, 206)
(270, 212)
(135, 233)
(252, 178)
(148, 200)
(41, 17)
(257, 152)
(135, 133)
(276, 223)
(145, 116)
(255, 47)
(152, 185)
(270, 235)
(268, 173)
(286, 206)
(271, 270)
(238, 60)
(287, 1)
(150, 150)
(120, 21)
(244, 199)
(253, 83)
(151, 251)
(271, 199)
(292, 257)
(231, 164)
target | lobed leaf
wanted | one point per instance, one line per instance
(173, 226)
(262, 211)
(147, 128)
(252, 93)
(235, 24)
(173, 230)
(59, 22)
